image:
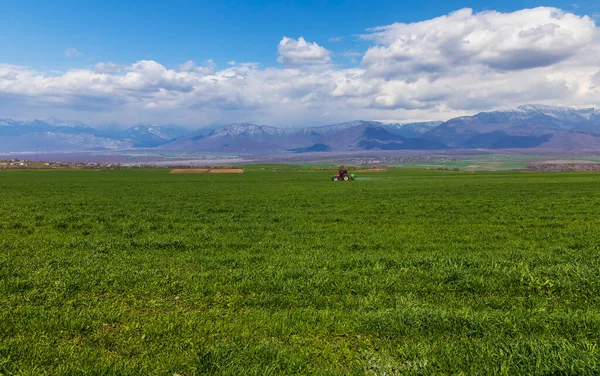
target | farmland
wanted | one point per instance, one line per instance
(285, 272)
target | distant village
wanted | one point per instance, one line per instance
(7, 164)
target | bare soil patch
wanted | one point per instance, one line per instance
(373, 170)
(480, 167)
(189, 171)
(207, 171)
(226, 171)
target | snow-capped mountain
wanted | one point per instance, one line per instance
(143, 135)
(50, 141)
(412, 130)
(529, 126)
(56, 135)
(334, 128)
(9, 127)
(525, 127)
(556, 112)
(246, 130)
(252, 139)
(64, 123)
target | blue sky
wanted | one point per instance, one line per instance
(315, 61)
(36, 33)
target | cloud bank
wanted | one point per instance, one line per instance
(435, 69)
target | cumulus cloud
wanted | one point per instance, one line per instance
(596, 78)
(108, 68)
(9, 76)
(299, 52)
(524, 39)
(190, 66)
(436, 69)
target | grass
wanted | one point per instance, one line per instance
(489, 162)
(494, 162)
(285, 272)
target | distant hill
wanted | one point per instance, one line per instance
(56, 135)
(147, 136)
(412, 130)
(250, 138)
(530, 126)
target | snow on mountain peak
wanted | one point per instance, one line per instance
(550, 110)
(237, 129)
(62, 123)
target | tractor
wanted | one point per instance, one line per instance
(342, 175)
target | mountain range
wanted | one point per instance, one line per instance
(530, 126)
(57, 135)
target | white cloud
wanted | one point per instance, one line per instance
(299, 52)
(502, 41)
(109, 68)
(436, 69)
(9, 76)
(190, 66)
(72, 52)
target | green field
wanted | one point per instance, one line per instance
(141, 272)
(492, 162)
(485, 162)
